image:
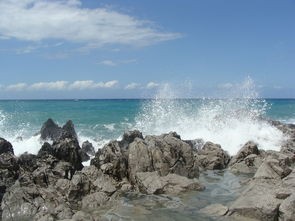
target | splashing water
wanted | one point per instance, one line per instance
(230, 122)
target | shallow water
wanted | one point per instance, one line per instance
(221, 187)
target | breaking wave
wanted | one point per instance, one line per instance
(230, 122)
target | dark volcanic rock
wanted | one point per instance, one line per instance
(68, 150)
(28, 162)
(45, 150)
(5, 146)
(88, 148)
(50, 130)
(68, 131)
(212, 157)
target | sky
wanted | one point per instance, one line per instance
(64, 49)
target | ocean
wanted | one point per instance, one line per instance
(229, 122)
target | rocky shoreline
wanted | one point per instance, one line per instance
(54, 184)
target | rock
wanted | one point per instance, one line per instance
(248, 149)
(68, 150)
(45, 150)
(24, 203)
(5, 146)
(272, 169)
(80, 186)
(139, 159)
(88, 148)
(50, 130)
(196, 144)
(94, 200)
(129, 137)
(258, 201)
(84, 156)
(82, 216)
(249, 164)
(166, 154)
(287, 209)
(68, 131)
(28, 161)
(170, 154)
(9, 172)
(215, 210)
(212, 157)
(153, 183)
(112, 160)
(105, 183)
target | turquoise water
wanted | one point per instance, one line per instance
(102, 120)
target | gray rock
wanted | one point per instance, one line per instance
(249, 164)
(170, 154)
(129, 137)
(82, 216)
(94, 201)
(248, 149)
(139, 159)
(287, 209)
(153, 183)
(24, 203)
(272, 169)
(258, 201)
(213, 157)
(112, 160)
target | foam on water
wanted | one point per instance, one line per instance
(230, 122)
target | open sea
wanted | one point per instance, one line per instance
(229, 122)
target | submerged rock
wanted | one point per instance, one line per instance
(153, 183)
(215, 210)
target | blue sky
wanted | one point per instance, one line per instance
(131, 48)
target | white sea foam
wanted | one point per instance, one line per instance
(110, 127)
(230, 122)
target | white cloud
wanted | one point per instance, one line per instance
(132, 86)
(116, 63)
(17, 87)
(109, 84)
(108, 63)
(89, 84)
(37, 20)
(57, 85)
(61, 85)
(152, 85)
(226, 86)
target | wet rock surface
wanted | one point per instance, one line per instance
(141, 178)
